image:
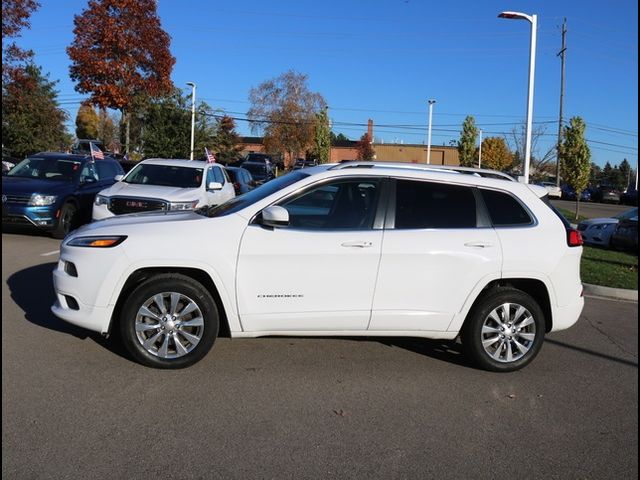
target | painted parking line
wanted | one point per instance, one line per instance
(48, 254)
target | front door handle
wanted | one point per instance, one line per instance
(357, 244)
(478, 244)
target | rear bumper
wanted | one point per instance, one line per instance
(567, 315)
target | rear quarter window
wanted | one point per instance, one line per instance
(505, 210)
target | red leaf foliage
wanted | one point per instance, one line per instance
(120, 50)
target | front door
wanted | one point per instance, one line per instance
(319, 272)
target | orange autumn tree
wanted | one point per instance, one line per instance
(119, 51)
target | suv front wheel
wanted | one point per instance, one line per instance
(504, 331)
(169, 321)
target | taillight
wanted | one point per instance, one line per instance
(574, 238)
(236, 185)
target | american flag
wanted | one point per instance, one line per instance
(211, 158)
(96, 152)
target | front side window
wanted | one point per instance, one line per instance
(217, 175)
(340, 205)
(504, 209)
(106, 170)
(434, 205)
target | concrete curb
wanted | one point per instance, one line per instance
(619, 293)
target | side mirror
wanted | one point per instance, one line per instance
(214, 186)
(118, 178)
(275, 216)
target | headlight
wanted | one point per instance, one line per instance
(101, 200)
(38, 200)
(183, 205)
(97, 242)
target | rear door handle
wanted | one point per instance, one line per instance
(478, 244)
(357, 244)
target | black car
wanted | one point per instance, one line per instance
(625, 236)
(55, 191)
(261, 172)
(242, 180)
(302, 163)
(630, 197)
(259, 158)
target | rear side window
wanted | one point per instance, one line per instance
(505, 210)
(434, 205)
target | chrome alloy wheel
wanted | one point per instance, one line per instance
(508, 332)
(169, 325)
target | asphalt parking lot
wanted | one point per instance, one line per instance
(73, 405)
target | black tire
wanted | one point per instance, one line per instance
(507, 341)
(66, 221)
(172, 357)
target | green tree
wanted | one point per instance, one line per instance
(340, 137)
(496, 154)
(167, 127)
(575, 158)
(284, 109)
(322, 146)
(364, 148)
(467, 143)
(625, 173)
(32, 120)
(87, 122)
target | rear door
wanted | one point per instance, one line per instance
(437, 248)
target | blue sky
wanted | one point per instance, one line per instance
(382, 59)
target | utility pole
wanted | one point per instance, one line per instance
(561, 54)
(480, 151)
(431, 102)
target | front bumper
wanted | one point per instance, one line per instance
(25, 215)
(86, 291)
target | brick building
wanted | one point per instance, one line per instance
(384, 152)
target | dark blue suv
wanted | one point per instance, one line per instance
(55, 191)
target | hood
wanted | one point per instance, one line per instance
(599, 221)
(171, 194)
(143, 218)
(27, 186)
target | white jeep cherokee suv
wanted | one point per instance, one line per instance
(357, 249)
(160, 184)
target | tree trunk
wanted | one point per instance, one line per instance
(577, 205)
(127, 130)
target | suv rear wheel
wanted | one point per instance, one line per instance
(504, 331)
(169, 321)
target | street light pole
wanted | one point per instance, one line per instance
(193, 116)
(431, 102)
(533, 20)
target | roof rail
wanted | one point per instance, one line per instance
(481, 172)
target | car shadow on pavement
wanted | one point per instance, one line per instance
(443, 350)
(32, 291)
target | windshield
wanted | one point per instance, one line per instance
(255, 169)
(165, 176)
(46, 169)
(238, 203)
(628, 214)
